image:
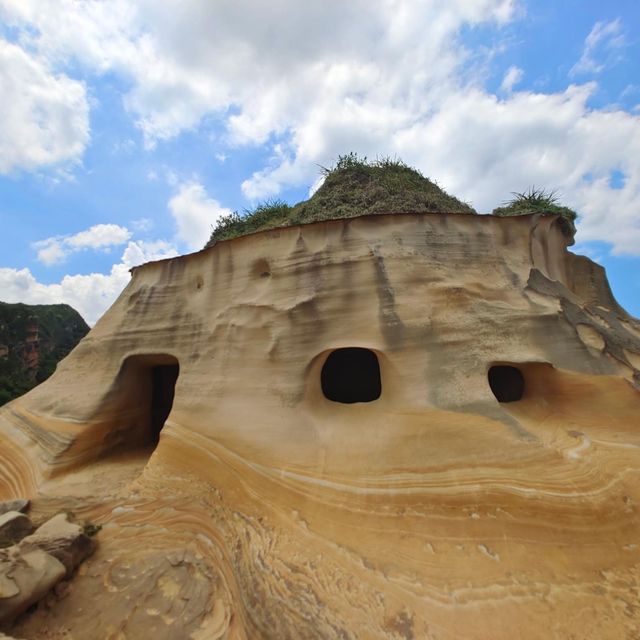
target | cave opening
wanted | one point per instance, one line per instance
(351, 375)
(163, 387)
(141, 400)
(506, 382)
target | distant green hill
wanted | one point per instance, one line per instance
(33, 339)
(353, 187)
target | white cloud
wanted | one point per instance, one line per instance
(90, 294)
(188, 60)
(544, 140)
(380, 77)
(600, 48)
(142, 224)
(50, 251)
(139, 252)
(100, 236)
(511, 78)
(44, 116)
(316, 185)
(196, 214)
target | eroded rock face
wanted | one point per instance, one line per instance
(421, 501)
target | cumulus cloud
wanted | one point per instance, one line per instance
(544, 140)
(100, 236)
(511, 78)
(211, 56)
(601, 48)
(91, 294)
(139, 252)
(45, 116)
(142, 224)
(195, 214)
(373, 76)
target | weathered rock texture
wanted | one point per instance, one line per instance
(20, 505)
(36, 563)
(24, 579)
(62, 539)
(14, 526)
(268, 511)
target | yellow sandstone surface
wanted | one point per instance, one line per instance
(266, 510)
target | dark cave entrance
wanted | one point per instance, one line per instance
(163, 388)
(130, 419)
(141, 400)
(506, 382)
(351, 375)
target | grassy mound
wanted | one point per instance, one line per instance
(539, 201)
(353, 187)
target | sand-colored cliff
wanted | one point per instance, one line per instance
(267, 510)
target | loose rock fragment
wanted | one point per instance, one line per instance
(24, 579)
(64, 540)
(13, 527)
(19, 504)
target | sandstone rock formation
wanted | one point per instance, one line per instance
(474, 474)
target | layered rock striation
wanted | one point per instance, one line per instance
(402, 426)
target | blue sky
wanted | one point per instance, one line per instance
(128, 128)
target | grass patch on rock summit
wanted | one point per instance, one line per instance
(353, 187)
(539, 201)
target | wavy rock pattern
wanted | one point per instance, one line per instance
(268, 511)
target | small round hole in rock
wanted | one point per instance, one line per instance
(506, 382)
(351, 375)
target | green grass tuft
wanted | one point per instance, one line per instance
(269, 214)
(539, 201)
(353, 187)
(91, 529)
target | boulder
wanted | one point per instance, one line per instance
(20, 504)
(14, 526)
(24, 579)
(63, 539)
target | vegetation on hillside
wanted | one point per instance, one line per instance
(59, 329)
(353, 187)
(539, 201)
